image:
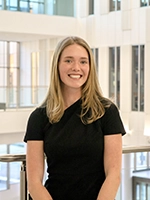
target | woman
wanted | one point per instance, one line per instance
(78, 130)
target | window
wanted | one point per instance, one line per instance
(114, 74)
(145, 3)
(0, 4)
(91, 7)
(138, 78)
(32, 6)
(115, 5)
(49, 7)
(34, 76)
(96, 56)
(9, 73)
(3, 169)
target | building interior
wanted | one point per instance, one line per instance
(118, 32)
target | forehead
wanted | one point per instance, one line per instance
(74, 49)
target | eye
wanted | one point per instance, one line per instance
(68, 61)
(83, 62)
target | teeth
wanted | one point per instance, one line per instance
(75, 76)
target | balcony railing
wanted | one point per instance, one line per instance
(22, 157)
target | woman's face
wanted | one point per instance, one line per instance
(73, 67)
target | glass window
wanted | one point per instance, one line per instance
(9, 72)
(96, 56)
(115, 5)
(138, 78)
(36, 7)
(148, 192)
(0, 4)
(141, 160)
(60, 8)
(137, 191)
(143, 191)
(13, 74)
(135, 78)
(118, 76)
(3, 169)
(91, 7)
(112, 5)
(34, 75)
(114, 74)
(141, 78)
(50, 7)
(3, 54)
(12, 5)
(118, 4)
(144, 3)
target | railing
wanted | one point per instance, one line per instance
(23, 182)
(22, 158)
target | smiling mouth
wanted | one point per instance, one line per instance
(75, 76)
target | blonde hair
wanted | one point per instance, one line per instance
(92, 100)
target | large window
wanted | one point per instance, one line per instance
(91, 7)
(114, 74)
(115, 5)
(145, 3)
(49, 7)
(138, 78)
(9, 73)
(20, 86)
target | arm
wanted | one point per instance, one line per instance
(112, 165)
(35, 171)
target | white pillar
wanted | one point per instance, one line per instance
(126, 183)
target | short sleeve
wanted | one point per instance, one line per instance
(35, 126)
(111, 121)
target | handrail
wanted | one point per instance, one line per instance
(13, 158)
(135, 149)
(23, 181)
(22, 158)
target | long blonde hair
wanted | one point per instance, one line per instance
(91, 95)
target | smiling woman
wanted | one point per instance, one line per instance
(77, 129)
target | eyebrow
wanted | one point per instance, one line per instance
(73, 57)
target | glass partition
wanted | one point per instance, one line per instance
(48, 7)
(4, 175)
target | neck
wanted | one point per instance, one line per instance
(70, 97)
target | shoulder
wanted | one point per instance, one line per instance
(111, 108)
(36, 124)
(111, 111)
(111, 120)
(39, 111)
(38, 115)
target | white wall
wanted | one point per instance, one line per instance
(13, 125)
(27, 23)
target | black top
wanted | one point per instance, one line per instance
(74, 151)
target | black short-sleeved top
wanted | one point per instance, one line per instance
(74, 151)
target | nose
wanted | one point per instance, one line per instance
(75, 66)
